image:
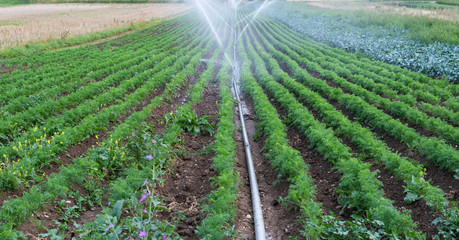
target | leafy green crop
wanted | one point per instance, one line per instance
(189, 122)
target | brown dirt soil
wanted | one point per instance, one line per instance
(420, 212)
(280, 222)
(189, 183)
(326, 179)
(52, 212)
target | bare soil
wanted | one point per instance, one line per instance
(189, 183)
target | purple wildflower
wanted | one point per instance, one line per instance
(143, 197)
(149, 157)
(109, 226)
(142, 234)
(164, 236)
(144, 183)
(109, 203)
(127, 238)
(145, 211)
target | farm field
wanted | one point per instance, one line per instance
(25, 24)
(138, 137)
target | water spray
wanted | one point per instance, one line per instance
(206, 16)
(263, 5)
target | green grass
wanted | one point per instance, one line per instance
(449, 2)
(7, 3)
(428, 5)
(424, 29)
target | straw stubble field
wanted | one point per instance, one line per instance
(24, 24)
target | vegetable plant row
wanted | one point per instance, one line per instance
(110, 155)
(33, 149)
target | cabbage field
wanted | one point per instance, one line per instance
(138, 137)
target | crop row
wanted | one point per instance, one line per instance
(119, 72)
(407, 170)
(397, 108)
(436, 150)
(359, 189)
(283, 157)
(57, 184)
(68, 56)
(142, 66)
(221, 203)
(34, 149)
(159, 164)
(68, 78)
(51, 64)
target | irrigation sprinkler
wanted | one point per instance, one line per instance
(204, 7)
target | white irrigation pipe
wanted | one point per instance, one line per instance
(256, 202)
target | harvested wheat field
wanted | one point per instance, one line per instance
(24, 24)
